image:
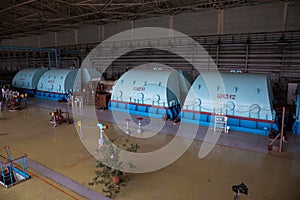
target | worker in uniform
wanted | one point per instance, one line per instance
(7, 95)
(3, 93)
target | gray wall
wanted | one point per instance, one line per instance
(31, 41)
(114, 28)
(152, 22)
(293, 16)
(47, 39)
(249, 19)
(200, 23)
(88, 34)
(65, 37)
(246, 19)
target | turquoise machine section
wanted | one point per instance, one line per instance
(26, 80)
(84, 76)
(296, 125)
(246, 99)
(56, 84)
(154, 92)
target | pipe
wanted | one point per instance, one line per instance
(33, 49)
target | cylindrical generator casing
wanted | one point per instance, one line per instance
(246, 99)
(27, 80)
(296, 125)
(151, 92)
(56, 84)
(84, 76)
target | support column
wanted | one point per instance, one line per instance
(218, 52)
(171, 25)
(102, 32)
(131, 27)
(247, 57)
(55, 39)
(99, 34)
(38, 40)
(23, 42)
(220, 28)
(132, 24)
(75, 36)
(284, 17)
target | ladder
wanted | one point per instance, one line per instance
(220, 123)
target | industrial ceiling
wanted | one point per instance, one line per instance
(23, 17)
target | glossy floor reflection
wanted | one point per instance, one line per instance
(268, 175)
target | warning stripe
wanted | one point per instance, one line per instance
(80, 160)
(52, 185)
(229, 116)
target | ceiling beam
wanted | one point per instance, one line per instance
(17, 5)
(40, 16)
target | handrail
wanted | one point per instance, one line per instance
(286, 35)
(50, 51)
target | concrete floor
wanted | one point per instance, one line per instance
(268, 175)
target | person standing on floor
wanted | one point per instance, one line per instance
(3, 93)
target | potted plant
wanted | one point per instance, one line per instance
(109, 167)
